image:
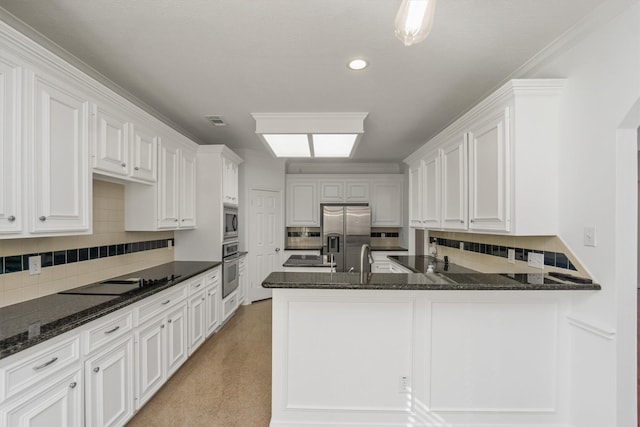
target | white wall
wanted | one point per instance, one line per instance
(597, 179)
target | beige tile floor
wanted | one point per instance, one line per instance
(225, 383)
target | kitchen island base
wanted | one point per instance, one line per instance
(420, 358)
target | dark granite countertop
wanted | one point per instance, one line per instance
(303, 248)
(446, 277)
(388, 248)
(59, 313)
(307, 261)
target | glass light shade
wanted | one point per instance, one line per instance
(288, 145)
(333, 145)
(357, 64)
(414, 20)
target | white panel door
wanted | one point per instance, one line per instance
(489, 202)
(144, 154)
(454, 184)
(110, 142)
(11, 216)
(109, 385)
(168, 176)
(431, 211)
(265, 240)
(60, 167)
(188, 190)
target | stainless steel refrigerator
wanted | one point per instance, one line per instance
(345, 228)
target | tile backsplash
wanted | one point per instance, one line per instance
(72, 261)
(489, 253)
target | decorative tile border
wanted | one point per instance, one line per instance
(552, 259)
(303, 234)
(386, 234)
(17, 263)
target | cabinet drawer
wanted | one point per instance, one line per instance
(212, 278)
(159, 303)
(229, 305)
(43, 363)
(105, 331)
(196, 285)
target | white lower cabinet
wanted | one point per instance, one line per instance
(109, 385)
(55, 403)
(213, 300)
(229, 305)
(197, 320)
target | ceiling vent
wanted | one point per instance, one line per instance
(216, 120)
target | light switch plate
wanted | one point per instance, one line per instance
(535, 260)
(511, 256)
(590, 236)
(35, 265)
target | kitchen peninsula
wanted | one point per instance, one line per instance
(449, 348)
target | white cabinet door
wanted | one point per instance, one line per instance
(168, 177)
(303, 208)
(243, 279)
(60, 168)
(454, 184)
(415, 195)
(357, 191)
(109, 385)
(110, 141)
(197, 320)
(386, 203)
(150, 360)
(57, 405)
(431, 191)
(11, 216)
(176, 338)
(489, 201)
(144, 154)
(230, 181)
(212, 307)
(188, 190)
(331, 191)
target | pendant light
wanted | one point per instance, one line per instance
(414, 20)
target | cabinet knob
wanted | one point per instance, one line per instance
(461, 222)
(470, 220)
(123, 164)
(136, 168)
(96, 369)
(277, 249)
(11, 218)
(170, 320)
(162, 326)
(42, 218)
(73, 385)
(175, 220)
(202, 298)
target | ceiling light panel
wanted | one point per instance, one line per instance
(333, 145)
(288, 145)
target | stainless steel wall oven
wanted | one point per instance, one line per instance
(230, 267)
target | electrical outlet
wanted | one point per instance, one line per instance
(462, 246)
(404, 384)
(511, 256)
(535, 260)
(170, 244)
(590, 236)
(35, 265)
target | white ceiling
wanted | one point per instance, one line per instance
(192, 58)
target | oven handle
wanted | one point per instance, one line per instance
(231, 258)
(234, 223)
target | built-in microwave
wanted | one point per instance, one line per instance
(230, 222)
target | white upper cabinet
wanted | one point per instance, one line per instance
(431, 182)
(489, 204)
(11, 213)
(331, 191)
(110, 142)
(144, 154)
(229, 181)
(171, 203)
(357, 191)
(303, 208)
(453, 157)
(491, 181)
(60, 158)
(386, 202)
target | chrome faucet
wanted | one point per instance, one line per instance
(365, 253)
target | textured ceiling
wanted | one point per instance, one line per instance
(192, 58)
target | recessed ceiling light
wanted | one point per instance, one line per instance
(288, 145)
(333, 145)
(357, 64)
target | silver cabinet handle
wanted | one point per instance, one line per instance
(73, 385)
(45, 364)
(198, 285)
(42, 218)
(166, 302)
(11, 218)
(123, 164)
(136, 168)
(112, 330)
(96, 369)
